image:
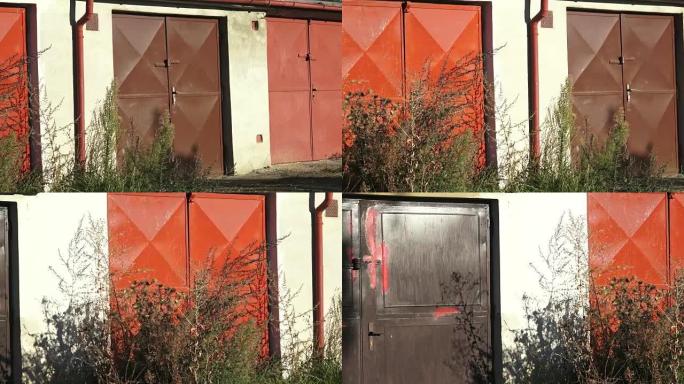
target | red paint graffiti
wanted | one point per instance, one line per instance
(444, 311)
(378, 252)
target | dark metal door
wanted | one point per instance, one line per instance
(171, 64)
(424, 277)
(5, 346)
(289, 90)
(195, 86)
(325, 40)
(351, 294)
(650, 87)
(625, 62)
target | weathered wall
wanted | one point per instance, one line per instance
(294, 255)
(47, 224)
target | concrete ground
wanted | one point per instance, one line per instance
(323, 175)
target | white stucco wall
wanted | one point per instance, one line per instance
(294, 255)
(47, 224)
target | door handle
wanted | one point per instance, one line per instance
(173, 95)
(629, 92)
(372, 334)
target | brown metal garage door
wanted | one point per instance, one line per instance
(304, 80)
(411, 322)
(171, 64)
(626, 61)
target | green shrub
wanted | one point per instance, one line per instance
(119, 161)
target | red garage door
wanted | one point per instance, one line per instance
(14, 113)
(628, 236)
(171, 238)
(304, 89)
(387, 47)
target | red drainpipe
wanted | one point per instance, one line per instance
(533, 43)
(317, 269)
(79, 88)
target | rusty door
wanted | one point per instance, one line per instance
(171, 65)
(289, 90)
(424, 277)
(5, 346)
(625, 62)
(14, 114)
(628, 236)
(326, 88)
(372, 47)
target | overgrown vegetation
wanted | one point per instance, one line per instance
(120, 329)
(116, 160)
(620, 331)
(433, 141)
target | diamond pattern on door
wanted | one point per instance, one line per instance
(140, 73)
(147, 238)
(628, 236)
(14, 108)
(676, 235)
(650, 80)
(440, 37)
(194, 78)
(171, 65)
(626, 62)
(593, 42)
(372, 56)
(228, 231)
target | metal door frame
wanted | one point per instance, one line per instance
(13, 274)
(224, 78)
(678, 58)
(351, 202)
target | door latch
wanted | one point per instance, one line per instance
(355, 264)
(173, 95)
(372, 334)
(629, 92)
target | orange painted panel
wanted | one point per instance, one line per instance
(444, 37)
(628, 236)
(372, 47)
(147, 238)
(229, 231)
(14, 113)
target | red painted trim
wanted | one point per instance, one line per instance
(533, 43)
(282, 3)
(79, 89)
(318, 310)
